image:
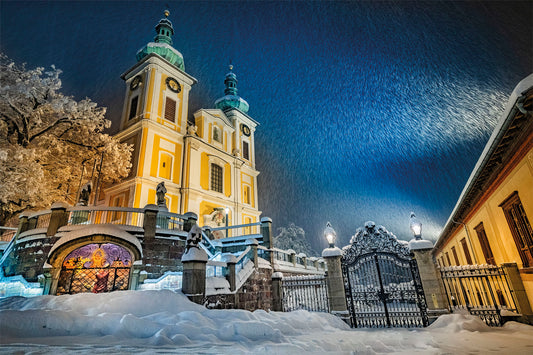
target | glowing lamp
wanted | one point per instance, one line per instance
(330, 235)
(416, 227)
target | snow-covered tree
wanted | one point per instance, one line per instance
(49, 142)
(293, 237)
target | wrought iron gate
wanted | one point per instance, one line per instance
(382, 284)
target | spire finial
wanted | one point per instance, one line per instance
(166, 12)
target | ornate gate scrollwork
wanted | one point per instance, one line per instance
(382, 283)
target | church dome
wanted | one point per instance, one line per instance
(231, 99)
(162, 44)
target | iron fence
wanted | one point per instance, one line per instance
(483, 290)
(305, 292)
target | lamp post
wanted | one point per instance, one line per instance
(416, 227)
(330, 235)
(227, 210)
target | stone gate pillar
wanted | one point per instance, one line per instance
(194, 262)
(277, 292)
(436, 299)
(335, 283)
(517, 286)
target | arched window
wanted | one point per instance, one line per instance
(95, 268)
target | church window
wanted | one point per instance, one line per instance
(165, 164)
(216, 135)
(520, 227)
(216, 178)
(466, 251)
(245, 150)
(133, 107)
(484, 242)
(170, 109)
(246, 194)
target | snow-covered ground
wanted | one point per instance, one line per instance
(150, 322)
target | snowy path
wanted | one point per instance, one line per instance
(151, 322)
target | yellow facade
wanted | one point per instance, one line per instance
(201, 164)
(483, 229)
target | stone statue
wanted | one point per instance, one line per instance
(191, 129)
(194, 237)
(84, 195)
(160, 192)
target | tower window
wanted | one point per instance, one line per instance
(216, 178)
(165, 164)
(520, 227)
(246, 194)
(170, 110)
(133, 107)
(245, 150)
(484, 242)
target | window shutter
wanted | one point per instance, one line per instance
(170, 110)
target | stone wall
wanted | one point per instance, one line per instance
(28, 257)
(161, 255)
(255, 293)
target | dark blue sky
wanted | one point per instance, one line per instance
(368, 110)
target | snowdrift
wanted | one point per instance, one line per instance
(165, 321)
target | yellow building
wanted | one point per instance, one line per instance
(208, 166)
(491, 222)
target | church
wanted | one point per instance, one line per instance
(207, 166)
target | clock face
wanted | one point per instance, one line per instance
(245, 130)
(135, 82)
(173, 85)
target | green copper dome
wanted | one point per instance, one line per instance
(162, 44)
(231, 99)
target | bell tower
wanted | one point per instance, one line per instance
(154, 121)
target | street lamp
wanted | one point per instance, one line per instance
(416, 227)
(330, 235)
(227, 210)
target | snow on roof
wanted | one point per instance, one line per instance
(523, 86)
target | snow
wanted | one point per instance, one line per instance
(329, 252)
(195, 254)
(165, 321)
(415, 244)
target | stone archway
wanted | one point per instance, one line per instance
(93, 260)
(95, 267)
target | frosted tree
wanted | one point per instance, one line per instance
(49, 142)
(293, 237)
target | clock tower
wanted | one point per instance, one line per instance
(208, 168)
(154, 121)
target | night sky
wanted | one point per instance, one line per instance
(368, 110)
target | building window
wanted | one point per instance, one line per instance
(455, 258)
(246, 195)
(217, 137)
(133, 107)
(170, 110)
(484, 242)
(245, 150)
(466, 251)
(520, 227)
(448, 259)
(216, 178)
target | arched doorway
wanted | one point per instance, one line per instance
(95, 267)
